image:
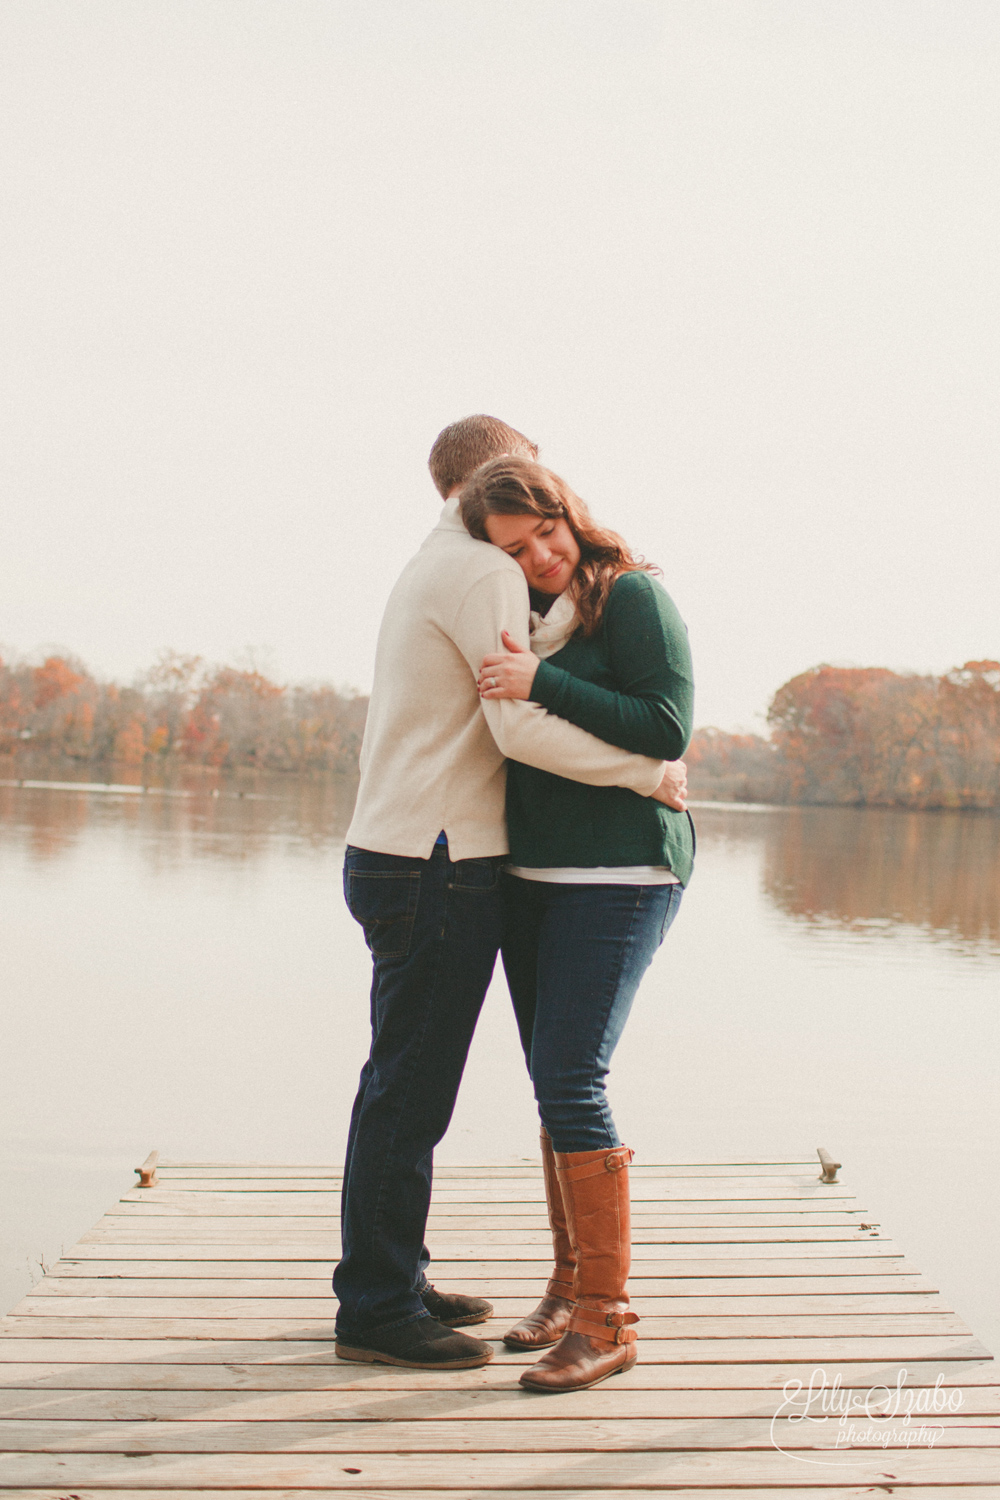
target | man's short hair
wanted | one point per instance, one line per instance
(461, 448)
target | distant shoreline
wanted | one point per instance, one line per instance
(839, 736)
(182, 779)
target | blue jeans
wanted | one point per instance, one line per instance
(574, 956)
(433, 928)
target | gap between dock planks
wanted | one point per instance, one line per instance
(185, 1345)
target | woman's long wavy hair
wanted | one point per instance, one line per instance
(518, 487)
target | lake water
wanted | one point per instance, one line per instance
(179, 972)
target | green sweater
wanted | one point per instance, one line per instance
(631, 686)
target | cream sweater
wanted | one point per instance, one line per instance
(433, 752)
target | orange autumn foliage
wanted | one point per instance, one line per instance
(55, 678)
(864, 737)
(861, 736)
(725, 767)
(130, 743)
(869, 737)
(180, 709)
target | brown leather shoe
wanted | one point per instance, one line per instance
(453, 1309)
(550, 1318)
(599, 1340)
(543, 1327)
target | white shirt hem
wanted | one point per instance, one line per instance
(597, 874)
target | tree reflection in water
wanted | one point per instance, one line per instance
(867, 867)
(196, 813)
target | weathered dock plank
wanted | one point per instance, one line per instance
(488, 1435)
(53, 1365)
(852, 1492)
(312, 1298)
(185, 1346)
(361, 1470)
(131, 1403)
(295, 1279)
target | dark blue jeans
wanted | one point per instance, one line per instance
(433, 928)
(574, 956)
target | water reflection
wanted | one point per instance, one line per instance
(874, 868)
(194, 814)
(867, 869)
(50, 825)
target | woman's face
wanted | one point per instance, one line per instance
(546, 549)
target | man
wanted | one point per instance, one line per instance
(425, 849)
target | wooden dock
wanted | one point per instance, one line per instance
(186, 1345)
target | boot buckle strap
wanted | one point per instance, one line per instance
(587, 1318)
(603, 1325)
(559, 1288)
(620, 1319)
(613, 1161)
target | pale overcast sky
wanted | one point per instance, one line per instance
(733, 263)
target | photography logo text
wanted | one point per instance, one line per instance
(845, 1419)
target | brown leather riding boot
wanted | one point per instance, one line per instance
(550, 1318)
(599, 1340)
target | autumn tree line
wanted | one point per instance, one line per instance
(852, 736)
(181, 710)
(864, 737)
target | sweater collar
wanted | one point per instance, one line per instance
(451, 517)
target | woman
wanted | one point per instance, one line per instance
(595, 880)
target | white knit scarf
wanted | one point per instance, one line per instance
(551, 631)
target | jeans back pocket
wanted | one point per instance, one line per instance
(384, 902)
